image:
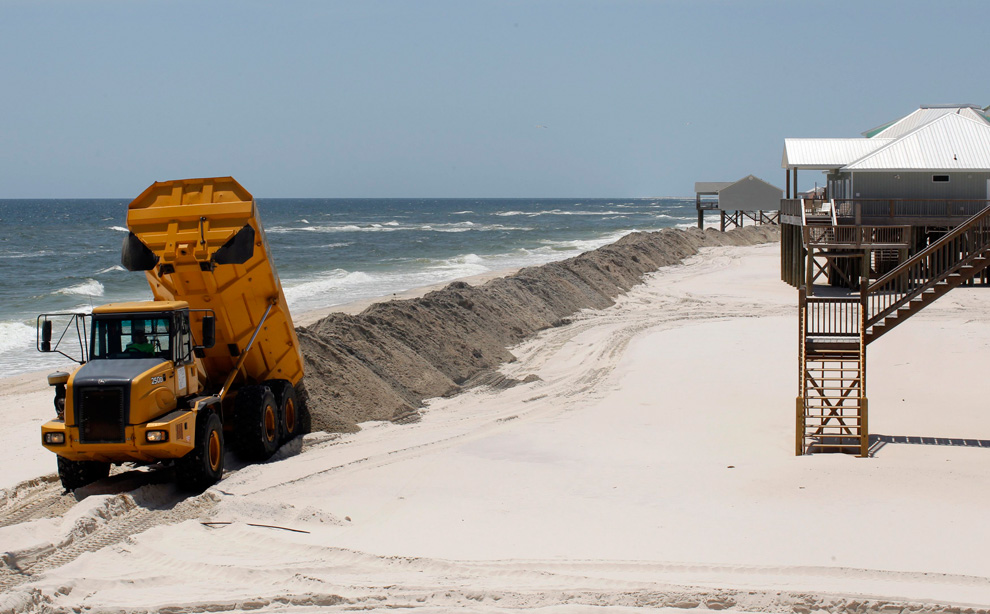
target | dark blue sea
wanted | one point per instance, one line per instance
(64, 255)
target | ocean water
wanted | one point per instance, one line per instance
(64, 255)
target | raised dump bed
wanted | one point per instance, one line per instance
(210, 250)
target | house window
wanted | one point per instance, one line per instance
(940, 178)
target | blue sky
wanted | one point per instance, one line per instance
(458, 98)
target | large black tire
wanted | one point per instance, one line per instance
(75, 474)
(256, 424)
(203, 466)
(305, 418)
(292, 416)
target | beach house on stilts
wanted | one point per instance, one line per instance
(736, 201)
(903, 219)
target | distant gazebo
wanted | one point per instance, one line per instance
(750, 197)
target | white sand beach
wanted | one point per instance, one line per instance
(649, 464)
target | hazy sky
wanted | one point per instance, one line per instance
(459, 98)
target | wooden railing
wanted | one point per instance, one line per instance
(928, 267)
(803, 208)
(830, 316)
(856, 237)
(792, 207)
(893, 208)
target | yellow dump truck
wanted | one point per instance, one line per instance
(212, 359)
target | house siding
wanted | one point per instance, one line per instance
(919, 185)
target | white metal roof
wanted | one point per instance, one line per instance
(954, 141)
(823, 154)
(923, 116)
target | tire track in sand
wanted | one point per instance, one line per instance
(33, 499)
(114, 520)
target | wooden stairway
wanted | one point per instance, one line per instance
(834, 402)
(948, 263)
(834, 332)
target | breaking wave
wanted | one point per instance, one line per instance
(90, 287)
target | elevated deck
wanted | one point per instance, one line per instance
(820, 238)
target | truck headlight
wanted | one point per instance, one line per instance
(54, 438)
(156, 436)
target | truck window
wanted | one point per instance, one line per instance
(132, 338)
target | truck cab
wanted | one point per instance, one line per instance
(156, 331)
(131, 400)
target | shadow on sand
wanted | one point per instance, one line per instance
(877, 442)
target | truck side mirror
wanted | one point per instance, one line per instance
(46, 336)
(209, 331)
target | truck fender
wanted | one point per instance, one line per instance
(206, 404)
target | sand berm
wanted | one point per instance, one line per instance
(384, 362)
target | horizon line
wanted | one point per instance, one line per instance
(129, 198)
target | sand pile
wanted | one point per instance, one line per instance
(382, 363)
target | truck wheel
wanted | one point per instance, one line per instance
(302, 410)
(75, 474)
(289, 409)
(203, 466)
(256, 424)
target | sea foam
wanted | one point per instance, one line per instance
(90, 287)
(336, 282)
(110, 269)
(16, 336)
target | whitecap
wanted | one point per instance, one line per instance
(457, 227)
(288, 229)
(336, 281)
(461, 259)
(90, 287)
(17, 336)
(583, 245)
(109, 269)
(87, 308)
(14, 255)
(462, 265)
(118, 228)
(559, 212)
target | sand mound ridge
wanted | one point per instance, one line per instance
(382, 363)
